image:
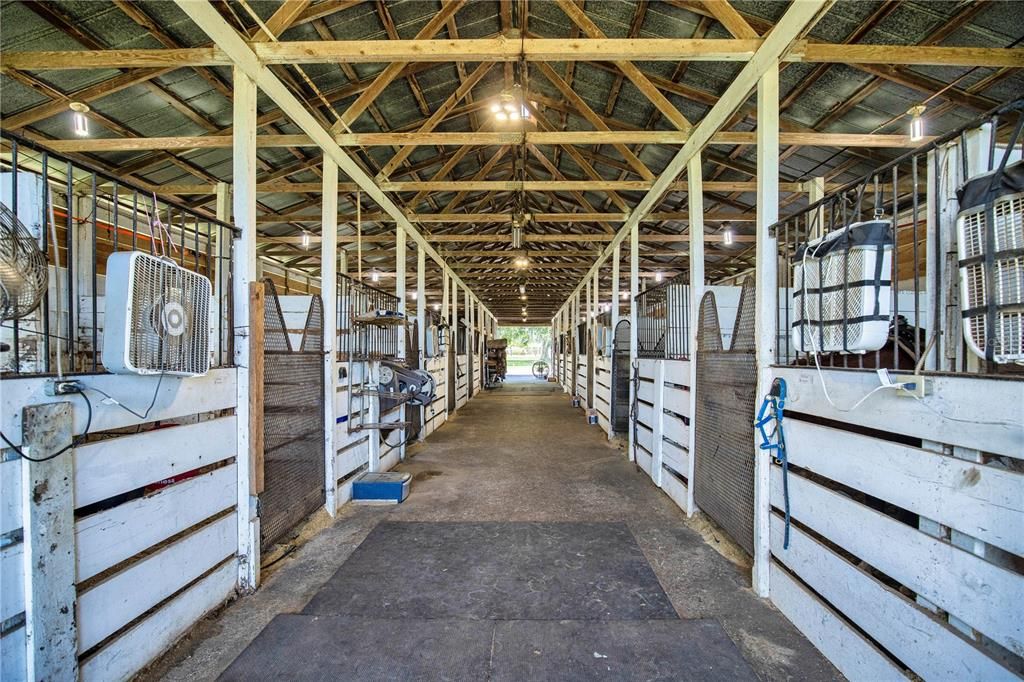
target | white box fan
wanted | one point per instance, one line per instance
(156, 317)
(842, 289)
(991, 260)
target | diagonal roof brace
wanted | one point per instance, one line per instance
(202, 13)
(799, 17)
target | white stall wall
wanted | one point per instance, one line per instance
(155, 531)
(955, 548)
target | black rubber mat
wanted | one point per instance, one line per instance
(615, 650)
(506, 571)
(297, 647)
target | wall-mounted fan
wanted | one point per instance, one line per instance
(157, 317)
(22, 268)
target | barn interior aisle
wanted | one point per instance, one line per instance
(530, 549)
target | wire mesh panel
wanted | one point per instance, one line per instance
(293, 420)
(620, 378)
(726, 386)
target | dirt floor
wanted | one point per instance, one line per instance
(521, 453)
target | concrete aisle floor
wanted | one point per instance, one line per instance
(521, 453)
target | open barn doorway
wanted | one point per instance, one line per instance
(528, 351)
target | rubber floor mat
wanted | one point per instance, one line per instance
(506, 571)
(615, 650)
(298, 647)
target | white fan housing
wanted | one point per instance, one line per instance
(842, 290)
(156, 317)
(991, 260)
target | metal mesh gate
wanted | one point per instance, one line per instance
(620, 378)
(293, 420)
(726, 384)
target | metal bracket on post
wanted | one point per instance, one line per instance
(48, 512)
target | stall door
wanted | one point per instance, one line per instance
(293, 420)
(726, 383)
(620, 378)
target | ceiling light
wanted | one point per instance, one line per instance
(501, 116)
(624, 295)
(524, 318)
(727, 236)
(916, 123)
(657, 276)
(374, 276)
(415, 294)
(522, 262)
(81, 123)
(522, 288)
(437, 306)
(495, 108)
(305, 240)
(522, 297)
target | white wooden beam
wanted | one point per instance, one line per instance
(329, 297)
(766, 290)
(243, 264)
(695, 181)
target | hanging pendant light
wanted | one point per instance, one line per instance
(522, 288)
(81, 123)
(305, 240)
(374, 276)
(916, 123)
(727, 236)
(657, 276)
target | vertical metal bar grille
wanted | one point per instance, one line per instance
(663, 321)
(95, 214)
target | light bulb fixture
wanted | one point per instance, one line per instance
(524, 318)
(415, 294)
(305, 240)
(511, 106)
(437, 306)
(374, 276)
(81, 123)
(522, 262)
(522, 297)
(727, 236)
(916, 123)
(522, 288)
(657, 276)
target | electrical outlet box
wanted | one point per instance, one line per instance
(912, 385)
(62, 387)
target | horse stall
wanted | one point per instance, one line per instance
(145, 495)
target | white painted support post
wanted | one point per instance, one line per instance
(48, 519)
(244, 272)
(616, 294)
(695, 191)
(765, 301)
(815, 188)
(467, 315)
(400, 255)
(221, 251)
(400, 330)
(329, 297)
(634, 291)
(421, 326)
